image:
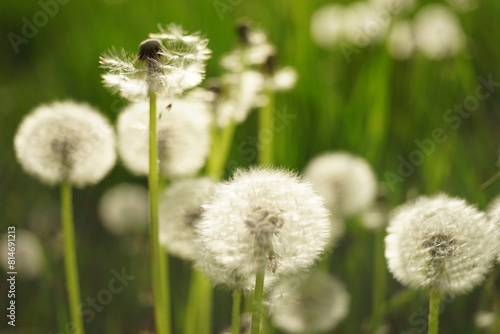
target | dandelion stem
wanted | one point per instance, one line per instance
(70, 257)
(380, 281)
(434, 300)
(221, 144)
(235, 318)
(158, 266)
(257, 301)
(266, 142)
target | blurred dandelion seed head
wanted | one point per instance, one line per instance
(183, 136)
(400, 40)
(440, 242)
(181, 208)
(290, 220)
(308, 303)
(66, 141)
(29, 254)
(124, 209)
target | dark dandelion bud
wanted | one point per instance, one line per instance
(269, 65)
(150, 49)
(243, 31)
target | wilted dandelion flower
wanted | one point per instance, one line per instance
(308, 303)
(346, 182)
(169, 63)
(29, 254)
(400, 41)
(327, 25)
(183, 136)
(441, 243)
(66, 141)
(180, 211)
(124, 209)
(262, 220)
(438, 33)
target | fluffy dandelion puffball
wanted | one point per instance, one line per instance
(29, 254)
(400, 41)
(347, 182)
(169, 63)
(327, 26)
(180, 212)
(124, 209)
(66, 141)
(183, 136)
(440, 243)
(262, 220)
(308, 303)
(438, 33)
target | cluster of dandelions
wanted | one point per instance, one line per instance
(435, 30)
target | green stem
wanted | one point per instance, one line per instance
(266, 132)
(158, 261)
(434, 300)
(70, 258)
(257, 301)
(235, 318)
(380, 280)
(221, 144)
(204, 304)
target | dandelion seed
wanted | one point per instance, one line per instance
(168, 63)
(29, 254)
(124, 209)
(183, 136)
(180, 212)
(66, 141)
(438, 33)
(440, 243)
(308, 303)
(347, 182)
(261, 220)
(400, 41)
(493, 214)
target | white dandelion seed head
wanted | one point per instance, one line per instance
(262, 211)
(241, 92)
(440, 243)
(124, 209)
(308, 303)
(347, 182)
(364, 24)
(183, 136)
(283, 79)
(400, 41)
(180, 211)
(66, 141)
(176, 66)
(29, 254)
(327, 25)
(438, 33)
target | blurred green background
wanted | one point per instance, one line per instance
(371, 106)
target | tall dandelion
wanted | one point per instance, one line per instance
(441, 244)
(71, 144)
(261, 225)
(167, 64)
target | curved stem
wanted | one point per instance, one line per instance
(434, 300)
(71, 267)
